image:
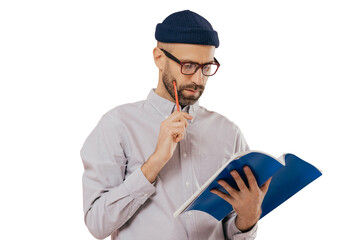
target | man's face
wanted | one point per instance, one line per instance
(190, 87)
(188, 93)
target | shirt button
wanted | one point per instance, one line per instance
(145, 194)
(185, 155)
(189, 213)
(187, 183)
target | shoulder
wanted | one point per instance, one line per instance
(213, 117)
(124, 111)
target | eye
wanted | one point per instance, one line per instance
(190, 66)
(207, 68)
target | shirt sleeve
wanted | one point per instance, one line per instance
(109, 199)
(240, 142)
(233, 233)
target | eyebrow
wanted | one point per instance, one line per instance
(190, 61)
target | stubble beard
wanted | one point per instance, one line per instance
(168, 79)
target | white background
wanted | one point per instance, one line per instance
(287, 78)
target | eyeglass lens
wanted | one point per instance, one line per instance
(207, 69)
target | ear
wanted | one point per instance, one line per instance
(159, 58)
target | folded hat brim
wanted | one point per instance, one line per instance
(176, 34)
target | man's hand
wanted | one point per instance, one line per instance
(247, 201)
(172, 131)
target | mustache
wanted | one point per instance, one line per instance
(192, 86)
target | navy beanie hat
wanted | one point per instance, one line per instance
(186, 27)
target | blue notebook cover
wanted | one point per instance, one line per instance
(286, 181)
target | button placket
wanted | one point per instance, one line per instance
(186, 169)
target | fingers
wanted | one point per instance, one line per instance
(179, 116)
(264, 188)
(222, 195)
(181, 120)
(251, 180)
(172, 131)
(176, 121)
(187, 116)
(250, 177)
(227, 187)
(240, 183)
(176, 124)
(179, 137)
(177, 130)
(184, 114)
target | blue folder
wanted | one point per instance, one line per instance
(286, 181)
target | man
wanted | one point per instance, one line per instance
(144, 159)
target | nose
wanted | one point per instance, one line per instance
(198, 77)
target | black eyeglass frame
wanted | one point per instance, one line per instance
(172, 57)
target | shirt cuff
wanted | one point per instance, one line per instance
(237, 234)
(138, 186)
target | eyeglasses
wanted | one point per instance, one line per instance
(190, 68)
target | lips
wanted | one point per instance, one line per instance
(190, 90)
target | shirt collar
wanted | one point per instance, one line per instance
(166, 107)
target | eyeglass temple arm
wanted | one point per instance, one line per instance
(170, 56)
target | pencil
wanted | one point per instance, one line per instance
(176, 96)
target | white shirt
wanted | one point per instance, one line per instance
(119, 200)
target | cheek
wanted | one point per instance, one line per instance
(174, 74)
(181, 80)
(205, 80)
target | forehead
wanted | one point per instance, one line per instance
(193, 52)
